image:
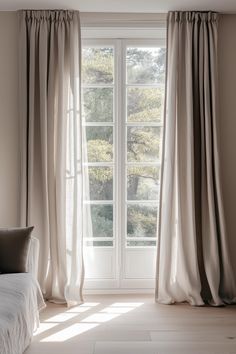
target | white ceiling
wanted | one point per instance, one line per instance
(146, 6)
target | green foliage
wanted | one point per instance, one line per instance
(98, 104)
(148, 115)
(141, 221)
(99, 144)
(97, 65)
(146, 65)
(99, 150)
(100, 181)
(146, 172)
(100, 174)
(143, 143)
(143, 182)
(102, 220)
(144, 105)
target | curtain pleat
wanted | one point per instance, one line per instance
(51, 181)
(193, 262)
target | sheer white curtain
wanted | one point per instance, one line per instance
(193, 261)
(51, 147)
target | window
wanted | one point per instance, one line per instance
(98, 114)
(122, 99)
(144, 97)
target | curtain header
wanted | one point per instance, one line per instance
(49, 15)
(193, 16)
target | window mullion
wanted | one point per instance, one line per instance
(121, 153)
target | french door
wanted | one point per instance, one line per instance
(122, 100)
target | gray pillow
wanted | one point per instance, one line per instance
(14, 248)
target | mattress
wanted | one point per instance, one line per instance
(20, 301)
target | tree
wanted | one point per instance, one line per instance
(144, 65)
(97, 65)
(141, 221)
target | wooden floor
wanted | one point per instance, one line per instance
(131, 324)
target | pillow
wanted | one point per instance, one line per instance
(14, 247)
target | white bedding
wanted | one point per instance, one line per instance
(20, 299)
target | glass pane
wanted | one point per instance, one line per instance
(98, 104)
(143, 144)
(140, 243)
(97, 65)
(141, 220)
(101, 183)
(99, 144)
(142, 183)
(102, 220)
(145, 104)
(99, 243)
(145, 65)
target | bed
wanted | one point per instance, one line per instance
(20, 302)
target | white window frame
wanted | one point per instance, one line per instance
(101, 43)
(119, 38)
(125, 124)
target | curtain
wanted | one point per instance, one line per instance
(51, 152)
(193, 262)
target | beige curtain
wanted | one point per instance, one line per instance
(193, 261)
(51, 157)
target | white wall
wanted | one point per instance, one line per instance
(9, 142)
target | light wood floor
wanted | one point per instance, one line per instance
(130, 324)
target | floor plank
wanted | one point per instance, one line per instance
(133, 324)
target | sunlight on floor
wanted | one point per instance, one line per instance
(100, 317)
(118, 310)
(70, 332)
(44, 327)
(83, 308)
(82, 325)
(62, 317)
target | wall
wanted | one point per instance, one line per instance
(9, 166)
(9, 143)
(227, 88)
